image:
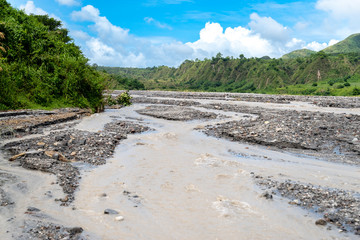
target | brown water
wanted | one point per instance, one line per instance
(190, 186)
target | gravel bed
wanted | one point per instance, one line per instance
(56, 152)
(326, 133)
(338, 207)
(322, 101)
(176, 113)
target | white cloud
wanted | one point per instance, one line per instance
(342, 17)
(151, 20)
(232, 42)
(30, 8)
(348, 9)
(269, 29)
(333, 42)
(106, 31)
(316, 46)
(68, 2)
(114, 46)
(87, 13)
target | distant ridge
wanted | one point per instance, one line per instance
(349, 45)
(298, 53)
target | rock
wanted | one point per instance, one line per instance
(73, 154)
(267, 195)
(110, 211)
(320, 222)
(65, 199)
(75, 230)
(63, 158)
(13, 158)
(119, 218)
(33, 209)
(41, 144)
(50, 153)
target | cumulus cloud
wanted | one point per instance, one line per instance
(316, 46)
(231, 42)
(269, 29)
(114, 46)
(68, 2)
(30, 8)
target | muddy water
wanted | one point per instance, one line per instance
(176, 183)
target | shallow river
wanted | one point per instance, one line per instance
(177, 183)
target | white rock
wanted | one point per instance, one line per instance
(119, 218)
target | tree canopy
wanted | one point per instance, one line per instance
(41, 65)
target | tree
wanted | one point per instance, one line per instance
(2, 49)
(218, 55)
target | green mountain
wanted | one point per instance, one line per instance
(253, 74)
(350, 45)
(40, 66)
(299, 72)
(298, 53)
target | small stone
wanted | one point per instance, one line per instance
(119, 218)
(75, 230)
(73, 154)
(110, 211)
(355, 140)
(33, 209)
(13, 158)
(267, 195)
(65, 199)
(41, 144)
(295, 202)
(320, 222)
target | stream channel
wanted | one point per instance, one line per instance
(175, 182)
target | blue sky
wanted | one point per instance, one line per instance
(166, 32)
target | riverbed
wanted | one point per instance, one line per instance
(179, 179)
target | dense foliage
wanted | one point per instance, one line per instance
(41, 66)
(333, 74)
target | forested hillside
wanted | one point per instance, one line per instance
(319, 73)
(41, 66)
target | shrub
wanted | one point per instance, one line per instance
(110, 101)
(356, 91)
(124, 99)
(347, 84)
(314, 84)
